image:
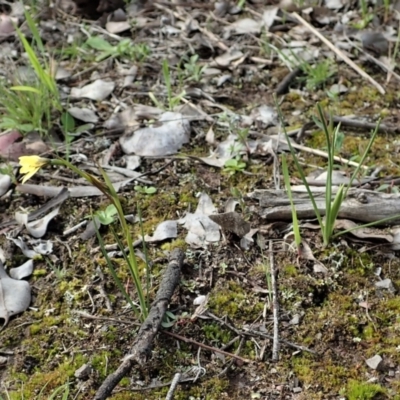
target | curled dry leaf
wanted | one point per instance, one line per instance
(19, 242)
(83, 114)
(7, 25)
(38, 228)
(202, 230)
(132, 116)
(22, 271)
(205, 205)
(5, 183)
(15, 296)
(165, 230)
(266, 115)
(232, 222)
(164, 139)
(244, 26)
(363, 233)
(43, 247)
(226, 150)
(97, 90)
(118, 26)
(224, 60)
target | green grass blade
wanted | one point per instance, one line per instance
(167, 80)
(328, 187)
(146, 255)
(35, 32)
(113, 272)
(26, 89)
(295, 221)
(132, 264)
(300, 169)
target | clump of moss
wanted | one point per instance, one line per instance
(233, 301)
(363, 390)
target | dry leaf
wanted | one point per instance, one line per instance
(15, 296)
(97, 90)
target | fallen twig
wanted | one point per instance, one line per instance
(283, 86)
(250, 332)
(174, 384)
(283, 341)
(355, 123)
(324, 154)
(275, 305)
(339, 53)
(204, 346)
(141, 348)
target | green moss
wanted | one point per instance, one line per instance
(303, 367)
(174, 244)
(214, 333)
(362, 390)
(290, 271)
(40, 272)
(368, 332)
(234, 301)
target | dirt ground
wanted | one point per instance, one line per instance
(227, 65)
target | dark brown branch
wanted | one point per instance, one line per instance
(141, 348)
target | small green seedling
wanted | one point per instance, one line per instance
(192, 69)
(366, 16)
(234, 165)
(296, 228)
(107, 216)
(125, 48)
(318, 74)
(169, 319)
(173, 101)
(146, 189)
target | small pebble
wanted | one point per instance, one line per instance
(83, 372)
(374, 361)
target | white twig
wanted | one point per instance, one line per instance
(174, 384)
(275, 343)
(324, 154)
(339, 53)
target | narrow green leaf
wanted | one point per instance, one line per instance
(35, 32)
(113, 272)
(26, 89)
(98, 43)
(296, 228)
(67, 122)
(300, 169)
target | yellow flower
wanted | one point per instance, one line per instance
(30, 165)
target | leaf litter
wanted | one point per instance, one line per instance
(227, 112)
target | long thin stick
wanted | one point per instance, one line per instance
(324, 154)
(275, 304)
(204, 346)
(339, 53)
